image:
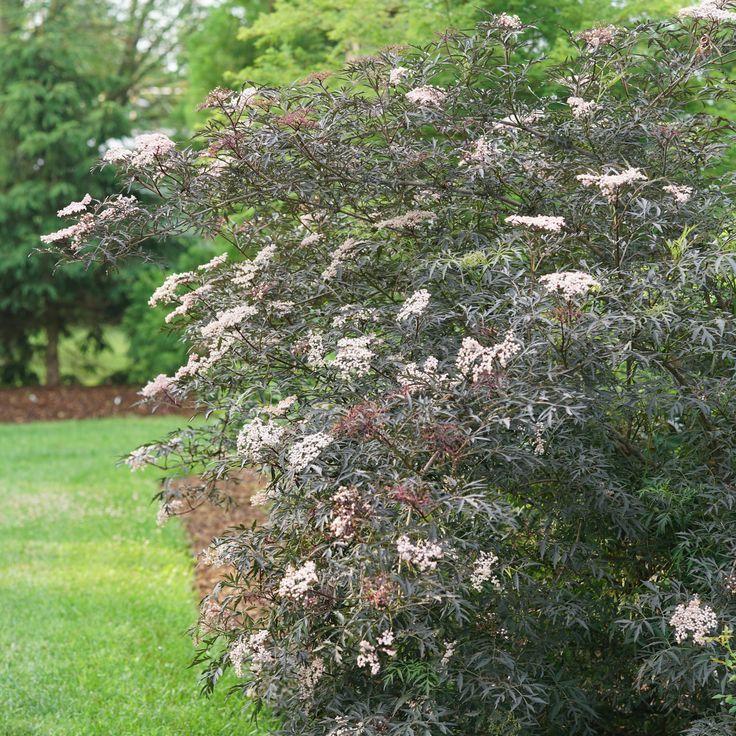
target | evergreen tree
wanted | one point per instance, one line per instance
(61, 100)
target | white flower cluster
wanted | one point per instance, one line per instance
(424, 554)
(173, 507)
(368, 653)
(227, 319)
(347, 507)
(484, 570)
(75, 208)
(257, 436)
(147, 149)
(570, 284)
(449, 652)
(473, 356)
(308, 677)
(680, 192)
(396, 75)
(167, 291)
(609, 184)
(315, 350)
(410, 219)
(252, 649)
(246, 272)
(298, 582)
(353, 356)
(427, 96)
(540, 445)
(217, 555)
(187, 301)
(282, 408)
(711, 10)
(414, 377)
(414, 306)
(311, 239)
(354, 313)
(596, 37)
(538, 222)
(139, 458)
(307, 450)
(480, 152)
(345, 727)
(340, 255)
(580, 107)
(694, 618)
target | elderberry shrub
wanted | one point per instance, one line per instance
(477, 327)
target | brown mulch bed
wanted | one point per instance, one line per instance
(39, 403)
(208, 521)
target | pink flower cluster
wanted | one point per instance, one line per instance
(118, 208)
(75, 208)
(596, 37)
(396, 75)
(339, 256)
(427, 96)
(138, 459)
(167, 291)
(680, 192)
(228, 319)
(161, 384)
(481, 151)
(473, 356)
(187, 301)
(508, 22)
(580, 108)
(74, 233)
(609, 184)
(710, 10)
(147, 149)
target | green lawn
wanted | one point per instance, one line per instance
(95, 600)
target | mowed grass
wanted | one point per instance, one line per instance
(95, 600)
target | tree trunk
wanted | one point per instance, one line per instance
(52, 354)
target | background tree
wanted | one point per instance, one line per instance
(282, 41)
(61, 100)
